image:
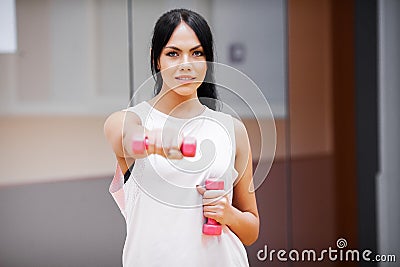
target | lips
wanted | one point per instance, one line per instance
(185, 78)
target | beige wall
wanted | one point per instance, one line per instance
(53, 148)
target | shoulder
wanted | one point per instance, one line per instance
(240, 128)
(121, 116)
(118, 119)
(130, 114)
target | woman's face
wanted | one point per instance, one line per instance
(182, 62)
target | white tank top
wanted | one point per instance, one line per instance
(160, 203)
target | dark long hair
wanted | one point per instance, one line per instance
(163, 30)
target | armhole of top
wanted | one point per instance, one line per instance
(235, 173)
(233, 138)
(128, 172)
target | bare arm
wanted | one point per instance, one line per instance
(245, 222)
(119, 129)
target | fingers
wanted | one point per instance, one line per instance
(216, 215)
(216, 204)
(155, 143)
(171, 147)
(200, 189)
(211, 197)
(210, 194)
(164, 144)
(174, 154)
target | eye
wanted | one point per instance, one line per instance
(172, 54)
(198, 53)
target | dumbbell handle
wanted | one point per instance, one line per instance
(188, 146)
(212, 227)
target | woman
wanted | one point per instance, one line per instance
(162, 196)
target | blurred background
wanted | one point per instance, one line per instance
(328, 68)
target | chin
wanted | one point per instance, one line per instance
(186, 90)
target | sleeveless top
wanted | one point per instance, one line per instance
(161, 205)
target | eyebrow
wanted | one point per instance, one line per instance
(180, 50)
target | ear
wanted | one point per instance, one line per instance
(158, 64)
(150, 54)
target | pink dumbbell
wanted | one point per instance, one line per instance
(188, 146)
(212, 227)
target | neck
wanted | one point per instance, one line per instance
(170, 102)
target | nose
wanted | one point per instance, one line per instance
(186, 64)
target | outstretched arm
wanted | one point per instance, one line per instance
(119, 129)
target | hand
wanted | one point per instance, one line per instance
(216, 205)
(164, 142)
